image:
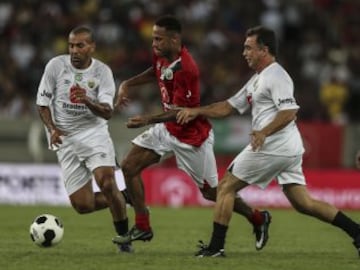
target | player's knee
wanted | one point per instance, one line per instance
(128, 169)
(108, 186)
(224, 187)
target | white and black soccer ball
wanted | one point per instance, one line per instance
(46, 230)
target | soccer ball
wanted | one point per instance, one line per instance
(46, 230)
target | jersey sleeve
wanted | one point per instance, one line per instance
(106, 87)
(282, 93)
(47, 84)
(239, 101)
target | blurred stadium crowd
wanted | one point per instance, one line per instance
(319, 45)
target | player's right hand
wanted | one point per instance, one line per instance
(77, 94)
(122, 98)
(55, 137)
(257, 140)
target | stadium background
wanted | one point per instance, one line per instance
(318, 45)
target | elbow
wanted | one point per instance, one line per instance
(106, 111)
(107, 115)
(41, 109)
(227, 110)
(288, 116)
(293, 117)
(123, 84)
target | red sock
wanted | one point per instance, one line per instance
(257, 218)
(142, 221)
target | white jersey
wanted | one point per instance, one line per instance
(54, 92)
(266, 93)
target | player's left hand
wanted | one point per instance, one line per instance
(137, 121)
(257, 140)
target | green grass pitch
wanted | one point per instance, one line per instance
(296, 242)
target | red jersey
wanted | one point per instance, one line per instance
(179, 84)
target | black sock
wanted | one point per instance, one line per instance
(218, 236)
(121, 226)
(347, 224)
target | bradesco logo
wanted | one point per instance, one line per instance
(176, 191)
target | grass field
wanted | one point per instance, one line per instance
(296, 242)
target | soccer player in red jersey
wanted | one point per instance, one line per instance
(178, 79)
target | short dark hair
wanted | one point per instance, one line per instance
(264, 37)
(84, 29)
(170, 23)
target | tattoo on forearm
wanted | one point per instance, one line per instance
(45, 116)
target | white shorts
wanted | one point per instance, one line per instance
(259, 169)
(197, 162)
(82, 153)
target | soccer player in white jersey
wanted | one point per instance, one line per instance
(75, 100)
(275, 149)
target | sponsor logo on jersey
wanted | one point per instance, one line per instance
(166, 74)
(46, 94)
(78, 77)
(285, 101)
(91, 83)
(74, 106)
(74, 109)
(188, 95)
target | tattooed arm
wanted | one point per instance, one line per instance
(55, 133)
